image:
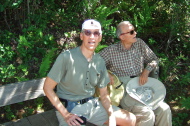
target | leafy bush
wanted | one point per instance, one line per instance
(34, 33)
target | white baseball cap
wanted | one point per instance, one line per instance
(91, 24)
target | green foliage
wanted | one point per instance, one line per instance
(23, 55)
(186, 103)
(143, 16)
(174, 76)
(9, 114)
(34, 32)
(101, 13)
(178, 121)
(7, 55)
(46, 63)
(40, 103)
(100, 47)
(28, 111)
(9, 4)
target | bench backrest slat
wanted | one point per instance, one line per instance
(21, 91)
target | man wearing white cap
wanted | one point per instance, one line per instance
(126, 59)
(76, 73)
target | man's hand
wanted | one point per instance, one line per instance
(144, 77)
(71, 119)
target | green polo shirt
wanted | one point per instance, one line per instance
(76, 77)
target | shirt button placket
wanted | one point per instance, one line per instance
(87, 77)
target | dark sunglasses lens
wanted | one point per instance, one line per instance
(87, 32)
(132, 32)
(96, 33)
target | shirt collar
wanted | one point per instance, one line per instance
(80, 52)
(121, 48)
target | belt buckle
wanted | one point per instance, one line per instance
(80, 102)
(83, 101)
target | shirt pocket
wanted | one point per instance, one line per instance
(138, 59)
(94, 77)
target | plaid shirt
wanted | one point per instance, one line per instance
(130, 62)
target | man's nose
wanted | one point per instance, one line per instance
(135, 32)
(92, 35)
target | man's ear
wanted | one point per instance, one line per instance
(100, 37)
(81, 36)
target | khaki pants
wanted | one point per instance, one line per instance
(145, 116)
(93, 111)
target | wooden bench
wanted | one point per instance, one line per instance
(23, 91)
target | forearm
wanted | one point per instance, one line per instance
(145, 73)
(106, 102)
(49, 86)
(56, 103)
(48, 89)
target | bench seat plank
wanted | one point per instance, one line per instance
(22, 122)
(51, 117)
(7, 124)
(21, 91)
(38, 120)
(47, 118)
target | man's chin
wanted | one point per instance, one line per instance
(135, 39)
(92, 48)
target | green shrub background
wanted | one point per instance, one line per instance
(34, 32)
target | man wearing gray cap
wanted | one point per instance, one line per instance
(77, 72)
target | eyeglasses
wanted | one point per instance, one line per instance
(131, 32)
(88, 33)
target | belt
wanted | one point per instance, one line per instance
(79, 101)
(133, 76)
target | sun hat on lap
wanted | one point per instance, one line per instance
(150, 94)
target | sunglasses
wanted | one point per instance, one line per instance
(131, 32)
(88, 33)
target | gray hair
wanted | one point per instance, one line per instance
(118, 30)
